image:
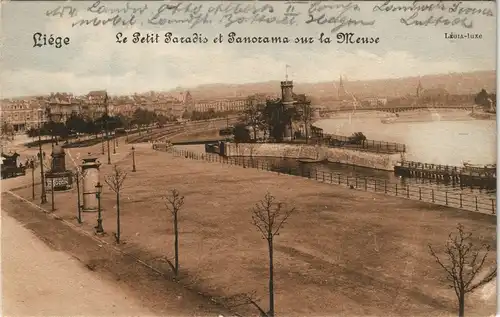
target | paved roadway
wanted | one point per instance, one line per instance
(38, 281)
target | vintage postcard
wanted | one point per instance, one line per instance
(248, 158)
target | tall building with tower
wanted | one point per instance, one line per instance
(287, 102)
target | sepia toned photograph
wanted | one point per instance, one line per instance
(248, 158)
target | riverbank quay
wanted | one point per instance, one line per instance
(470, 202)
(380, 161)
(348, 142)
(482, 177)
(364, 250)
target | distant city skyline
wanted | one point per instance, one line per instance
(94, 60)
(182, 89)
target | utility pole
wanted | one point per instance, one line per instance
(107, 130)
(40, 153)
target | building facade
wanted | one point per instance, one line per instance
(23, 114)
(220, 105)
(61, 106)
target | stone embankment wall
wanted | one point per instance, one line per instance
(338, 155)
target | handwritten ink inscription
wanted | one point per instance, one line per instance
(40, 40)
(332, 15)
(322, 14)
(441, 13)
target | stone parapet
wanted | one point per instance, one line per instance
(382, 161)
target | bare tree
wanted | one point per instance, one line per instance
(78, 175)
(463, 264)
(252, 150)
(252, 115)
(174, 202)
(305, 114)
(115, 182)
(269, 216)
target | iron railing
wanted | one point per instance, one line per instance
(431, 195)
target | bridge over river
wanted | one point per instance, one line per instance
(390, 109)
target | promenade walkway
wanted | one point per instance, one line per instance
(39, 281)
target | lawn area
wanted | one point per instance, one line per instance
(343, 252)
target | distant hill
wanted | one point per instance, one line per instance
(454, 83)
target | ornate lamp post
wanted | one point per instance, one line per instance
(43, 195)
(133, 159)
(98, 192)
(52, 194)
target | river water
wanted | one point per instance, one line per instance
(445, 137)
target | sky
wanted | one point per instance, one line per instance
(94, 61)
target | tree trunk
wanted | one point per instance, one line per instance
(176, 244)
(306, 132)
(271, 277)
(461, 304)
(118, 217)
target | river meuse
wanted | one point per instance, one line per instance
(447, 137)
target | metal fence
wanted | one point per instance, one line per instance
(430, 195)
(333, 140)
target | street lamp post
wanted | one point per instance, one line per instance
(52, 194)
(98, 192)
(107, 141)
(107, 126)
(133, 159)
(102, 141)
(43, 195)
(77, 178)
(114, 146)
(32, 165)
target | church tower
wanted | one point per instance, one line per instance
(341, 93)
(419, 88)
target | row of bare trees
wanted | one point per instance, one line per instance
(463, 262)
(268, 217)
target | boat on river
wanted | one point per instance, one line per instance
(388, 120)
(312, 161)
(468, 165)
